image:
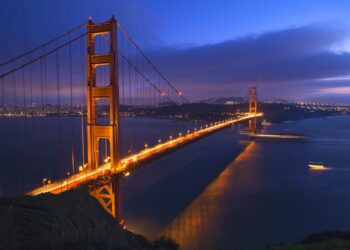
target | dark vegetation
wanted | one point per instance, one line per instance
(273, 112)
(71, 220)
(322, 241)
(287, 112)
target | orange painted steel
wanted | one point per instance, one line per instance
(111, 190)
(253, 106)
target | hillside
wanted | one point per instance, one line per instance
(72, 220)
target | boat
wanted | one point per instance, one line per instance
(265, 123)
(317, 166)
(259, 135)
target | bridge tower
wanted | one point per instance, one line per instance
(253, 106)
(108, 191)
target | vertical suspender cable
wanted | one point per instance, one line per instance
(41, 84)
(71, 103)
(24, 106)
(24, 89)
(31, 104)
(3, 92)
(129, 96)
(42, 123)
(2, 108)
(123, 93)
(58, 110)
(58, 80)
(14, 89)
(46, 131)
(30, 85)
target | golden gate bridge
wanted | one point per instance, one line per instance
(97, 75)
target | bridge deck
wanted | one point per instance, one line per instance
(137, 160)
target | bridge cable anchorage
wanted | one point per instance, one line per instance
(42, 45)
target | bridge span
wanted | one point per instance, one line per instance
(137, 160)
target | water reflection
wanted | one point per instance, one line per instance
(203, 218)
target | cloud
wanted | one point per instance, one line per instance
(336, 90)
(294, 54)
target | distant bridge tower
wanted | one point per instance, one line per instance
(108, 191)
(253, 106)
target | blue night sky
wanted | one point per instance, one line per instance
(297, 50)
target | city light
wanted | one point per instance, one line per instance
(108, 159)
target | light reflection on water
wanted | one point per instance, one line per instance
(269, 195)
(195, 226)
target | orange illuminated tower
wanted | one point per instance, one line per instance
(253, 106)
(107, 193)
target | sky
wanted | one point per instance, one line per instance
(295, 50)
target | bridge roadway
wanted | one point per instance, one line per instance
(137, 160)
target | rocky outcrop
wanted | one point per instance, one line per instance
(71, 220)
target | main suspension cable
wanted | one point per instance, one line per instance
(42, 46)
